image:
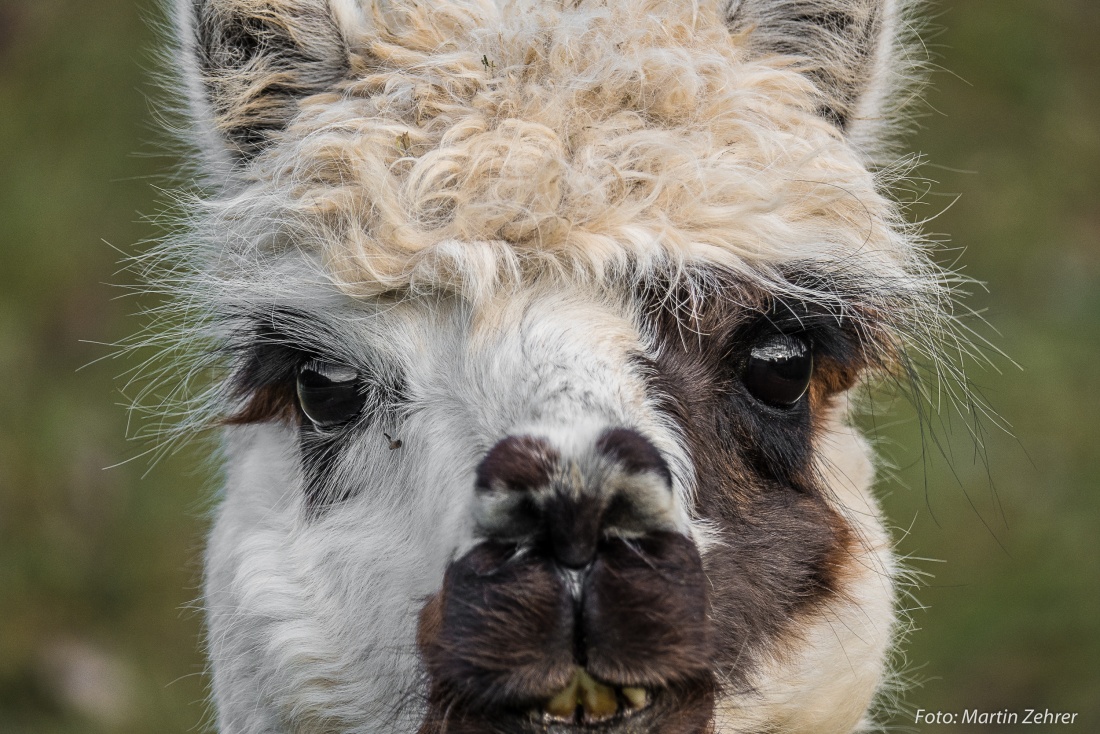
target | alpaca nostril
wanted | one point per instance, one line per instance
(574, 555)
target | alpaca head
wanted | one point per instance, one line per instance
(540, 324)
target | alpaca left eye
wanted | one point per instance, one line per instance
(329, 393)
(778, 370)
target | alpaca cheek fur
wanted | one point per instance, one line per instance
(823, 676)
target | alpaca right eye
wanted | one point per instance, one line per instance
(779, 369)
(330, 394)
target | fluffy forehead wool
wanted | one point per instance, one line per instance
(478, 142)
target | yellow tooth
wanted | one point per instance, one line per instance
(597, 699)
(565, 702)
(636, 698)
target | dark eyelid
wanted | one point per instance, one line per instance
(810, 327)
(838, 343)
(269, 351)
(267, 361)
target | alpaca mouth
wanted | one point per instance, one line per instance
(586, 701)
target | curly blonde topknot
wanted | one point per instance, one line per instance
(473, 143)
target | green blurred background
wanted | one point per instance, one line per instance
(99, 567)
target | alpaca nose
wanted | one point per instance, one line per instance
(532, 493)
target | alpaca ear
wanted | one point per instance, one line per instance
(247, 63)
(850, 49)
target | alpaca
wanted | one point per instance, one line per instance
(540, 325)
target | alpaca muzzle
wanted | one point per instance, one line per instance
(581, 606)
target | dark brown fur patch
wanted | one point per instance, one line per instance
(782, 548)
(275, 402)
(633, 452)
(518, 462)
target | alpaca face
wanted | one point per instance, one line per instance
(540, 328)
(562, 479)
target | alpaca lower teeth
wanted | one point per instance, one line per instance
(586, 700)
(563, 705)
(599, 701)
(636, 698)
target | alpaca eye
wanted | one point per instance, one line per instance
(778, 370)
(329, 393)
